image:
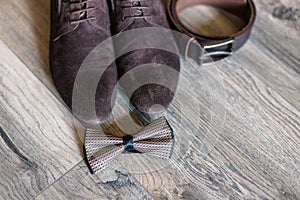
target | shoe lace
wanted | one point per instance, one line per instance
(81, 7)
(135, 9)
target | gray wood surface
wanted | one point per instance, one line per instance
(254, 153)
(79, 183)
(33, 153)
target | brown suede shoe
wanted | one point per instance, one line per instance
(77, 27)
(129, 15)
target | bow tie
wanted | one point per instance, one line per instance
(155, 139)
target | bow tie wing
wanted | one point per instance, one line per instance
(101, 149)
(161, 148)
(156, 139)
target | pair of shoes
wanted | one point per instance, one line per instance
(79, 26)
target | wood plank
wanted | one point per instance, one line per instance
(81, 184)
(38, 141)
(25, 29)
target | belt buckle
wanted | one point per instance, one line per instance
(206, 55)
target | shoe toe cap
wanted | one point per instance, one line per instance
(152, 98)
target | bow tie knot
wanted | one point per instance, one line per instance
(129, 144)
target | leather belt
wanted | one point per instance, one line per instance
(213, 47)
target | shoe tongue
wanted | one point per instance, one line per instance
(101, 14)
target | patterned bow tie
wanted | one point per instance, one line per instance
(155, 139)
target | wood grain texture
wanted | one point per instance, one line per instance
(257, 154)
(25, 29)
(38, 142)
(81, 184)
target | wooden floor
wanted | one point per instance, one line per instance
(254, 153)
